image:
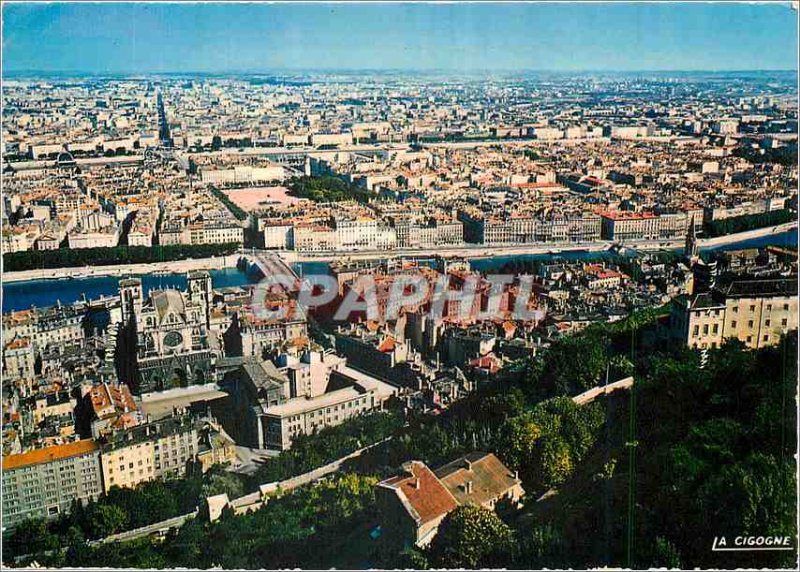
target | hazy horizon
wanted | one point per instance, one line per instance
(159, 39)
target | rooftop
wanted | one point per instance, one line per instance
(762, 288)
(422, 493)
(301, 405)
(49, 454)
(489, 478)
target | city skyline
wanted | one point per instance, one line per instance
(211, 38)
(385, 286)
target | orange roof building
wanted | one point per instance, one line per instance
(44, 483)
(49, 454)
(416, 502)
(419, 495)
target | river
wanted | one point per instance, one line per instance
(22, 295)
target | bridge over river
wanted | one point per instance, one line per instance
(267, 264)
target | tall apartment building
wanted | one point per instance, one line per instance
(277, 235)
(206, 232)
(344, 234)
(629, 226)
(524, 229)
(242, 174)
(623, 225)
(757, 312)
(44, 483)
(156, 450)
(427, 233)
(19, 360)
(215, 233)
(348, 393)
(727, 126)
(746, 208)
(57, 325)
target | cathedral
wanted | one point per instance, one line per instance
(165, 339)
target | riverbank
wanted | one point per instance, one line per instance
(747, 235)
(473, 251)
(479, 251)
(171, 267)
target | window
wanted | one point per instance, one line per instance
(696, 331)
(736, 309)
(784, 322)
(705, 329)
(749, 339)
(750, 323)
(766, 337)
(716, 328)
(786, 306)
(769, 307)
(752, 307)
(766, 322)
(733, 324)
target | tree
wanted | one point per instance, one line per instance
(471, 537)
(412, 558)
(574, 364)
(555, 460)
(577, 424)
(104, 520)
(545, 547)
(517, 440)
(755, 496)
(219, 482)
(76, 544)
(663, 555)
(185, 546)
(30, 536)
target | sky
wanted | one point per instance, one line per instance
(162, 38)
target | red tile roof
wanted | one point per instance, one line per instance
(422, 493)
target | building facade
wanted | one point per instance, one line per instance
(756, 312)
(44, 483)
(155, 450)
(165, 337)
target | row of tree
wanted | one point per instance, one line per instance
(235, 209)
(300, 529)
(109, 256)
(328, 189)
(330, 443)
(744, 223)
(785, 155)
(119, 510)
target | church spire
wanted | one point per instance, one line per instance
(690, 250)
